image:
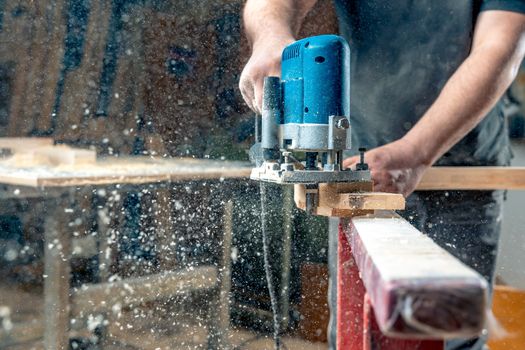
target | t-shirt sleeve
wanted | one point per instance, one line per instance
(505, 5)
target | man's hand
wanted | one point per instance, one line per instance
(394, 167)
(497, 51)
(270, 25)
(264, 61)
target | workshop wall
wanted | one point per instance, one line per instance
(141, 77)
(126, 76)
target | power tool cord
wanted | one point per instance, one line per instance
(268, 271)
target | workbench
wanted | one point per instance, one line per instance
(60, 187)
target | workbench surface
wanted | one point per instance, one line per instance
(122, 170)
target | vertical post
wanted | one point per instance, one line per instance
(104, 243)
(57, 243)
(218, 326)
(106, 221)
(333, 235)
(367, 323)
(164, 223)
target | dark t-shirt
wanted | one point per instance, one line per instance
(402, 54)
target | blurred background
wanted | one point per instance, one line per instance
(159, 78)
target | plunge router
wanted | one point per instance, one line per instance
(307, 110)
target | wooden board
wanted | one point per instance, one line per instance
(25, 143)
(141, 169)
(473, 178)
(32, 152)
(349, 199)
(138, 290)
(113, 170)
(417, 289)
(508, 305)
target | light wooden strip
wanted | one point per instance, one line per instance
(473, 178)
(136, 170)
(417, 289)
(139, 170)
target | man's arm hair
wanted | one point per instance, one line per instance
(496, 54)
(274, 18)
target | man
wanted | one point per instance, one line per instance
(426, 82)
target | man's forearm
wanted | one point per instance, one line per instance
(467, 97)
(274, 18)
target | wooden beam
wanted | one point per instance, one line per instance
(473, 178)
(103, 296)
(57, 272)
(417, 289)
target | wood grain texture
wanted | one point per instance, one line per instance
(473, 178)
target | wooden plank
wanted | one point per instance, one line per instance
(103, 296)
(24, 143)
(370, 201)
(508, 305)
(417, 289)
(329, 193)
(113, 170)
(349, 199)
(146, 170)
(473, 178)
